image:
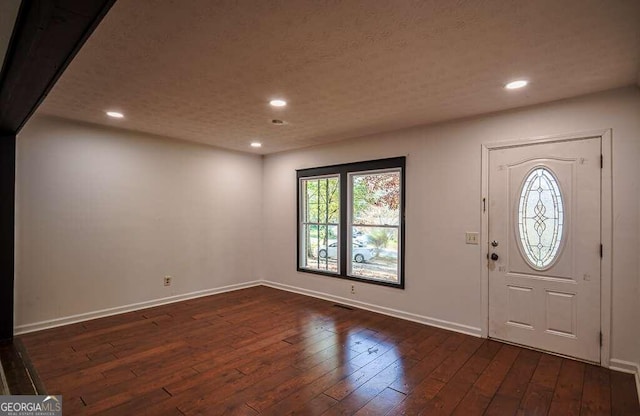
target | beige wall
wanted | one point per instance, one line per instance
(443, 194)
(103, 215)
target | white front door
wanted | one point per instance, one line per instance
(544, 246)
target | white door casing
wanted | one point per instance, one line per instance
(553, 305)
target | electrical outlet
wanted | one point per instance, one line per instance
(353, 289)
(167, 280)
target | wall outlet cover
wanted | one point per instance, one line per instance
(472, 238)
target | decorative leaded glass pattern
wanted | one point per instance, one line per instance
(541, 218)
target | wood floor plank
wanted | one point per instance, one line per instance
(135, 405)
(310, 373)
(539, 393)
(507, 399)
(113, 396)
(295, 403)
(369, 390)
(479, 396)
(454, 390)
(382, 404)
(624, 398)
(440, 349)
(567, 395)
(422, 395)
(414, 402)
(596, 394)
(235, 395)
(345, 387)
(270, 352)
(317, 406)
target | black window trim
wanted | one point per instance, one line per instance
(343, 171)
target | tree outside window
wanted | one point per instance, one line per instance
(321, 219)
(375, 222)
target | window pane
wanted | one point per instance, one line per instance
(320, 218)
(322, 200)
(320, 247)
(374, 253)
(375, 220)
(541, 218)
(376, 198)
(311, 201)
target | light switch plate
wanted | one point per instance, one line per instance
(472, 238)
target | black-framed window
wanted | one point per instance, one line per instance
(351, 221)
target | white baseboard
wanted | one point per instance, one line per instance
(627, 367)
(38, 326)
(439, 323)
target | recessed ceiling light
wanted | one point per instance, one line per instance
(278, 103)
(514, 85)
(256, 144)
(115, 114)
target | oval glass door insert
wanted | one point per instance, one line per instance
(540, 218)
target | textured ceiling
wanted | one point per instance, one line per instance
(8, 13)
(205, 70)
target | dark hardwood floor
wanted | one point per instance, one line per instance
(16, 371)
(265, 351)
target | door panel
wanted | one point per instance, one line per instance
(520, 306)
(561, 313)
(544, 219)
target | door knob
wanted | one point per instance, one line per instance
(494, 256)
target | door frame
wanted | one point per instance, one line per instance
(606, 227)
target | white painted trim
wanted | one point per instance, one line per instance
(606, 238)
(53, 323)
(439, 323)
(606, 227)
(627, 367)
(547, 139)
(484, 241)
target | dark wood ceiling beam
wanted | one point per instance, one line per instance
(7, 227)
(46, 37)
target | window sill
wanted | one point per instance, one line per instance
(352, 278)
